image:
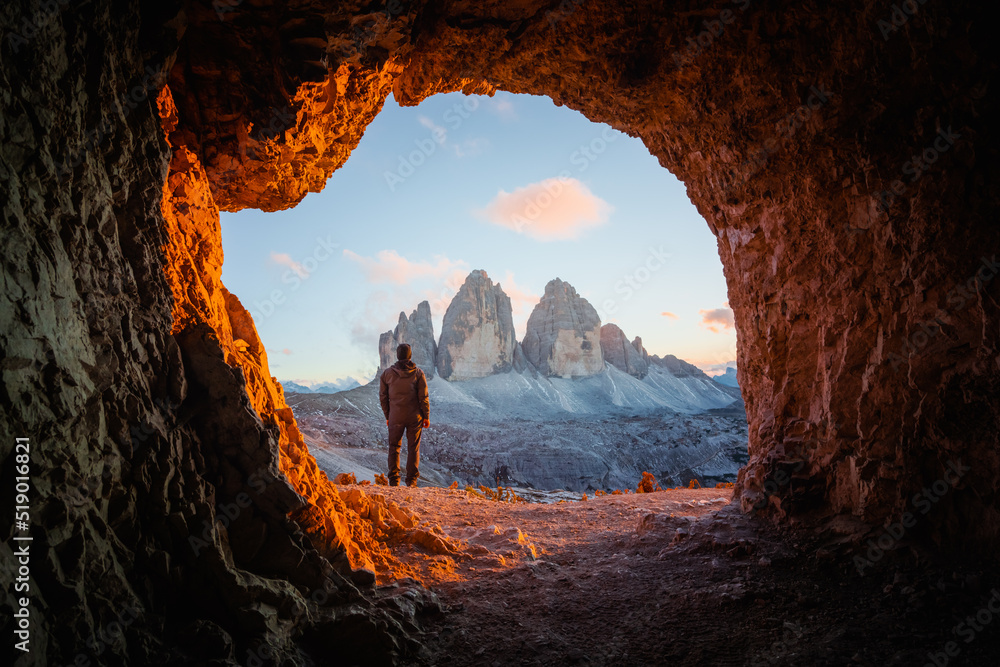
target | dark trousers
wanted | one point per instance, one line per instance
(412, 451)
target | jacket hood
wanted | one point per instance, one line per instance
(405, 367)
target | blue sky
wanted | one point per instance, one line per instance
(512, 184)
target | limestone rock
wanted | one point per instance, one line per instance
(678, 367)
(418, 331)
(477, 335)
(621, 354)
(637, 344)
(521, 363)
(563, 337)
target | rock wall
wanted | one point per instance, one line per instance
(563, 336)
(477, 333)
(418, 331)
(171, 493)
(628, 357)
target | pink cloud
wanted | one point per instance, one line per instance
(285, 259)
(718, 319)
(550, 210)
(670, 315)
(388, 266)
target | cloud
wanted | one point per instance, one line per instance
(718, 319)
(502, 107)
(670, 315)
(285, 259)
(438, 133)
(716, 369)
(388, 266)
(379, 312)
(471, 147)
(552, 209)
(441, 295)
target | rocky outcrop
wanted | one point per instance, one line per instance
(620, 353)
(477, 334)
(678, 367)
(563, 337)
(417, 330)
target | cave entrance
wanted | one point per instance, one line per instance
(528, 192)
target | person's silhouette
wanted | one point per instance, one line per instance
(403, 395)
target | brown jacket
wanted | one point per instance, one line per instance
(402, 390)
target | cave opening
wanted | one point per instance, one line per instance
(527, 192)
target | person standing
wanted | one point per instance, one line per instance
(402, 392)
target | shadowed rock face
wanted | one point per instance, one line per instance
(477, 333)
(563, 337)
(863, 283)
(620, 353)
(418, 331)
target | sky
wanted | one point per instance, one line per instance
(511, 184)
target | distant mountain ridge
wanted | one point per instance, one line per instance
(574, 405)
(728, 378)
(338, 385)
(525, 429)
(564, 338)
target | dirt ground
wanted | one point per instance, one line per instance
(678, 577)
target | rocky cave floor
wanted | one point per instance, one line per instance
(680, 577)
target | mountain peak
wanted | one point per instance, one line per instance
(564, 334)
(477, 334)
(417, 330)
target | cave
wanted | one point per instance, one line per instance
(840, 153)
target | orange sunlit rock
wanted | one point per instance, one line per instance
(194, 271)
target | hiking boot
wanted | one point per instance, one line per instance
(412, 483)
(393, 482)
